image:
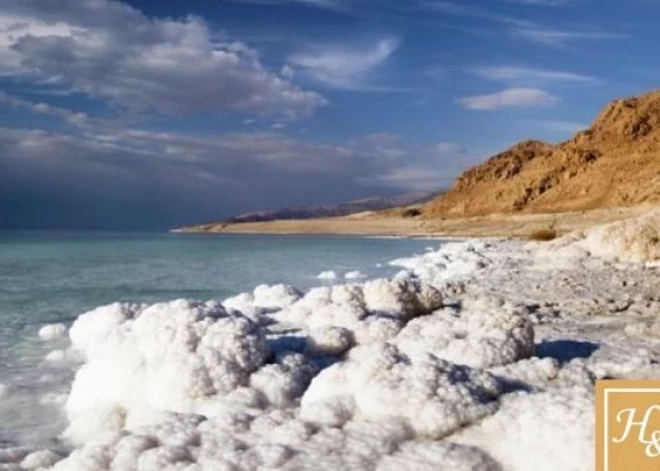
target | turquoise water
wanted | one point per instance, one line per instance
(54, 277)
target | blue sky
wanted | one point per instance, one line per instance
(149, 114)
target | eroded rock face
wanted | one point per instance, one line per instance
(614, 163)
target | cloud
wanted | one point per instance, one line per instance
(287, 72)
(417, 178)
(75, 118)
(553, 37)
(545, 3)
(337, 5)
(133, 178)
(564, 127)
(528, 74)
(445, 149)
(519, 27)
(111, 50)
(473, 11)
(513, 97)
(430, 168)
(346, 69)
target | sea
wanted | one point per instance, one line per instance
(53, 277)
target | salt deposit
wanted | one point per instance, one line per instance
(480, 333)
(180, 356)
(327, 275)
(52, 332)
(354, 275)
(430, 396)
(478, 356)
(636, 240)
(545, 431)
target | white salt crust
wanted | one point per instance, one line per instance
(52, 331)
(471, 358)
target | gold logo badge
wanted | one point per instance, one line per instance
(628, 425)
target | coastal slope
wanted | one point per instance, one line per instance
(606, 173)
(614, 163)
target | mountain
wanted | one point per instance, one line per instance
(321, 211)
(616, 162)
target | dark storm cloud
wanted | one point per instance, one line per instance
(110, 50)
(141, 179)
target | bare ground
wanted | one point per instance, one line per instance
(379, 224)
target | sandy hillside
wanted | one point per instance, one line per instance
(616, 162)
(389, 224)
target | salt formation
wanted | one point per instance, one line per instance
(327, 275)
(354, 275)
(636, 239)
(456, 260)
(181, 356)
(431, 396)
(52, 332)
(481, 333)
(372, 312)
(545, 431)
(432, 369)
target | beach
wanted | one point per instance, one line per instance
(391, 223)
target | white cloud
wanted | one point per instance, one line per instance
(564, 127)
(553, 37)
(345, 68)
(519, 27)
(473, 11)
(75, 118)
(444, 149)
(528, 74)
(513, 97)
(417, 178)
(110, 50)
(287, 72)
(545, 3)
(337, 5)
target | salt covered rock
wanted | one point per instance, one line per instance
(181, 356)
(40, 459)
(529, 429)
(327, 275)
(275, 296)
(636, 239)
(373, 312)
(52, 332)
(329, 341)
(430, 396)
(436, 456)
(482, 333)
(400, 298)
(454, 261)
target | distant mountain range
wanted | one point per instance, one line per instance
(321, 211)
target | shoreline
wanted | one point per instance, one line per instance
(385, 225)
(482, 335)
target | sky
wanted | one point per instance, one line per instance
(149, 114)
